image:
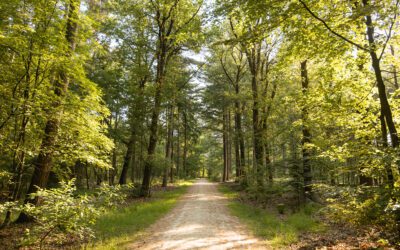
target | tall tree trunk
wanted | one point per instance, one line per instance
(168, 146)
(238, 134)
(45, 158)
(113, 171)
(134, 166)
(229, 144)
(87, 176)
(385, 106)
(225, 146)
(185, 143)
(242, 146)
(148, 165)
(307, 175)
(161, 56)
(395, 81)
(178, 147)
(127, 159)
(171, 171)
(388, 167)
(237, 154)
(257, 137)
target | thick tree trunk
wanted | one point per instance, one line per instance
(307, 175)
(253, 57)
(134, 165)
(161, 56)
(45, 159)
(268, 164)
(145, 190)
(388, 167)
(127, 159)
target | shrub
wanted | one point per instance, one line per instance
(108, 196)
(61, 215)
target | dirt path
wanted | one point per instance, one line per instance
(200, 220)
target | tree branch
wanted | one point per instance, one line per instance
(390, 30)
(330, 29)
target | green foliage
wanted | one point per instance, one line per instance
(277, 231)
(363, 206)
(62, 216)
(108, 197)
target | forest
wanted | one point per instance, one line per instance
(109, 106)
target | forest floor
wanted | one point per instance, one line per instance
(201, 220)
(305, 228)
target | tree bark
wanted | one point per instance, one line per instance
(127, 159)
(178, 147)
(254, 59)
(168, 146)
(395, 81)
(307, 175)
(185, 144)
(385, 106)
(171, 171)
(225, 146)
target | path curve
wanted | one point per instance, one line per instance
(200, 220)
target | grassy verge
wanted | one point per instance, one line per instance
(278, 232)
(121, 226)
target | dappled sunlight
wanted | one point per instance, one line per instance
(186, 229)
(200, 221)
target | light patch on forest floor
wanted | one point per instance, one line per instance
(201, 220)
(119, 227)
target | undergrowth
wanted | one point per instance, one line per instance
(277, 230)
(120, 227)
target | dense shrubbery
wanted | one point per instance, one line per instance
(365, 206)
(63, 216)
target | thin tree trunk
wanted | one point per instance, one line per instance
(385, 106)
(238, 134)
(168, 146)
(242, 146)
(307, 175)
(257, 133)
(185, 142)
(171, 171)
(395, 81)
(225, 146)
(178, 148)
(87, 176)
(229, 144)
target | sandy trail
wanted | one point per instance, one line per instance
(200, 220)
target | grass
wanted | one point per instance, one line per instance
(278, 232)
(119, 227)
